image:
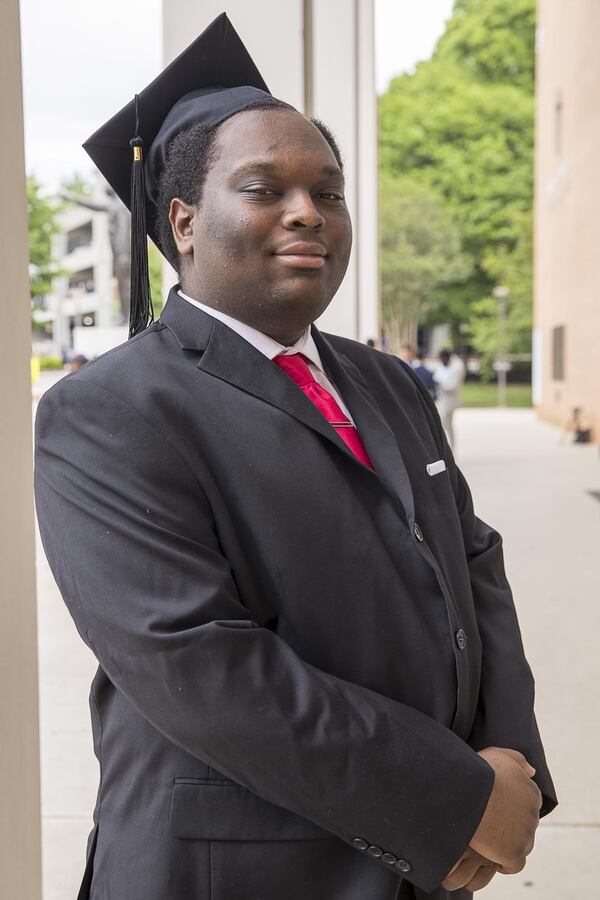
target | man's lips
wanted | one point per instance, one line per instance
(302, 255)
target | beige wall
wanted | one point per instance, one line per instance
(20, 869)
(567, 207)
(319, 56)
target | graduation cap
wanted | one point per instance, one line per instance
(212, 79)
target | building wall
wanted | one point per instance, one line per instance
(69, 306)
(20, 842)
(294, 45)
(567, 221)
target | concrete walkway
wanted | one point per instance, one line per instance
(536, 492)
(535, 488)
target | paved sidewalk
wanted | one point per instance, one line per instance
(536, 493)
(534, 487)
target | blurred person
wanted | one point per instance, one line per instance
(424, 374)
(449, 377)
(77, 362)
(407, 354)
(311, 681)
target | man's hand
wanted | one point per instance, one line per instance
(472, 872)
(507, 830)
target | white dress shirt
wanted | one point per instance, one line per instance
(271, 348)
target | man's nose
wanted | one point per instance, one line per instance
(301, 212)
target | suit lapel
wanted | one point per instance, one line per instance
(231, 358)
(227, 356)
(376, 435)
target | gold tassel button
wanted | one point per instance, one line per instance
(137, 154)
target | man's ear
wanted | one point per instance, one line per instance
(181, 217)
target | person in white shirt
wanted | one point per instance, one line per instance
(449, 377)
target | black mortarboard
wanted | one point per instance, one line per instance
(212, 79)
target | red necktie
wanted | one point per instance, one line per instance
(295, 366)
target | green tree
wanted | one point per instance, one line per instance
(462, 125)
(512, 270)
(420, 254)
(77, 184)
(494, 40)
(42, 211)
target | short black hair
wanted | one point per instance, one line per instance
(189, 158)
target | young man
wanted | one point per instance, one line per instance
(308, 651)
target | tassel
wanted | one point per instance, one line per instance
(141, 313)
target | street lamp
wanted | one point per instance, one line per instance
(501, 365)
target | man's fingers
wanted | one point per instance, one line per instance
(514, 868)
(520, 759)
(462, 873)
(454, 868)
(482, 877)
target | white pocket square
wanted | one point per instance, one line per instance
(436, 467)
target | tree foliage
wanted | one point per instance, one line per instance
(461, 126)
(514, 271)
(42, 211)
(420, 252)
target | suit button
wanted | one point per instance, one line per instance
(403, 865)
(374, 850)
(359, 844)
(418, 532)
(461, 639)
(389, 858)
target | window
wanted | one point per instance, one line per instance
(558, 121)
(79, 237)
(558, 353)
(81, 283)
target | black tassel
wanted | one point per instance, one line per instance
(141, 313)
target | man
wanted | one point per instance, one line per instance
(424, 374)
(407, 354)
(77, 362)
(449, 377)
(308, 649)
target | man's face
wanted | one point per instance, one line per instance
(271, 238)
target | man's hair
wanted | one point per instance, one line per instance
(190, 155)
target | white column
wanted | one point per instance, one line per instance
(270, 29)
(20, 842)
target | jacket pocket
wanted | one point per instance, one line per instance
(225, 811)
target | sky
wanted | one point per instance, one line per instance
(81, 65)
(406, 33)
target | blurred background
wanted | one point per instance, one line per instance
(470, 131)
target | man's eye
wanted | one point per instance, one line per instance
(331, 195)
(258, 190)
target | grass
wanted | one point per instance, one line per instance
(476, 393)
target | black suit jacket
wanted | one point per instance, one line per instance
(298, 656)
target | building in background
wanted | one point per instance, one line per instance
(566, 340)
(83, 308)
(317, 55)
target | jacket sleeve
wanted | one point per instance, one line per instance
(130, 538)
(505, 712)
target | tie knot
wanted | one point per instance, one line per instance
(294, 365)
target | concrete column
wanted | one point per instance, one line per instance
(317, 55)
(344, 98)
(20, 842)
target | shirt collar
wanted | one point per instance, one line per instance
(262, 342)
